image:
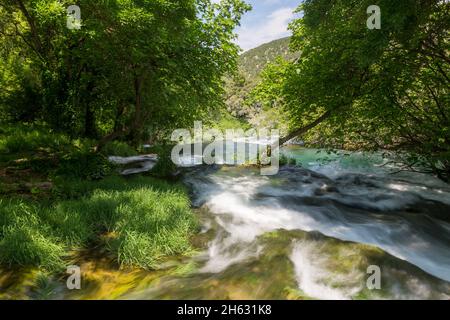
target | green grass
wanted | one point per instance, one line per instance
(147, 219)
(22, 138)
(139, 220)
(26, 240)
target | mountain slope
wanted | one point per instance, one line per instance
(251, 64)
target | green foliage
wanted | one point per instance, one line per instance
(240, 101)
(370, 89)
(25, 239)
(253, 62)
(119, 148)
(135, 68)
(84, 165)
(164, 168)
(287, 160)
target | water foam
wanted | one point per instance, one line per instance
(364, 209)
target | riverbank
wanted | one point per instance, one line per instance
(223, 232)
(58, 200)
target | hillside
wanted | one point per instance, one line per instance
(251, 64)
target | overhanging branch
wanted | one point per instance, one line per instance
(306, 128)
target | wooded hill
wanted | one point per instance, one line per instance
(238, 88)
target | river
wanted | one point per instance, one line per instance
(310, 232)
(313, 230)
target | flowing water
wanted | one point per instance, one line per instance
(313, 230)
(310, 232)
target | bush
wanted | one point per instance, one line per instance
(28, 139)
(84, 165)
(164, 168)
(285, 160)
(117, 148)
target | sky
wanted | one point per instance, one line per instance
(267, 21)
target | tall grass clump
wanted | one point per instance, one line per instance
(146, 219)
(149, 218)
(153, 224)
(26, 240)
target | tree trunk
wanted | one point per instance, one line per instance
(137, 119)
(134, 130)
(119, 114)
(110, 137)
(90, 130)
(303, 130)
(36, 41)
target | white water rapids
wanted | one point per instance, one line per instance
(348, 198)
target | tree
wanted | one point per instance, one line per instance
(357, 88)
(134, 69)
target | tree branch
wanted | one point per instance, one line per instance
(306, 128)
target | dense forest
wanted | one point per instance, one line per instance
(134, 68)
(132, 71)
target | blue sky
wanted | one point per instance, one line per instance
(266, 22)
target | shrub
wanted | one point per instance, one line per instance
(165, 167)
(117, 148)
(84, 165)
(286, 160)
(27, 139)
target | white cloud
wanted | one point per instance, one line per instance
(272, 28)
